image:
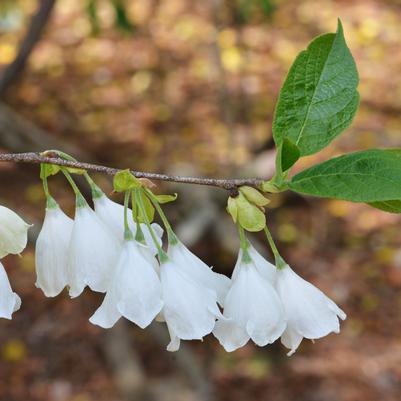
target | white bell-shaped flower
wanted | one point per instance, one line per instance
(252, 308)
(135, 290)
(51, 256)
(310, 313)
(13, 232)
(9, 300)
(93, 253)
(112, 214)
(264, 268)
(198, 270)
(190, 309)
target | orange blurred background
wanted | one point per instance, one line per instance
(189, 88)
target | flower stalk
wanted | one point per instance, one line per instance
(162, 255)
(172, 239)
(280, 262)
(79, 197)
(127, 232)
(244, 245)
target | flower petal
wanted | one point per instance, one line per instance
(188, 307)
(265, 268)
(230, 335)
(107, 314)
(138, 286)
(334, 308)
(309, 311)
(93, 253)
(253, 305)
(174, 344)
(135, 290)
(199, 271)
(51, 256)
(13, 232)
(291, 339)
(9, 301)
(266, 318)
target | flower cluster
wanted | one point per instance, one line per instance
(13, 240)
(265, 303)
(109, 252)
(80, 252)
(117, 250)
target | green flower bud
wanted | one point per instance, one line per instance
(254, 196)
(249, 216)
(124, 180)
(232, 208)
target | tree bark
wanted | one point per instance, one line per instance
(38, 23)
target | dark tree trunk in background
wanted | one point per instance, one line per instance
(32, 36)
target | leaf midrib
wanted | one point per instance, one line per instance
(314, 93)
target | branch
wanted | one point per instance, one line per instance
(36, 158)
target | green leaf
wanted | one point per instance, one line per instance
(124, 180)
(47, 170)
(166, 198)
(290, 153)
(391, 206)
(249, 216)
(368, 176)
(254, 196)
(318, 99)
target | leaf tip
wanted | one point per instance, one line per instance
(339, 26)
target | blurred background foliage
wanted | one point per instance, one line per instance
(189, 88)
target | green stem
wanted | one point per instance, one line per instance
(139, 237)
(127, 232)
(50, 201)
(45, 187)
(71, 181)
(244, 244)
(243, 240)
(172, 238)
(280, 262)
(162, 255)
(80, 199)
(96, 191)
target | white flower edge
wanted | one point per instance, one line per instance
(199, 271)
(135, 291)
(252, 310)
(267, 270)
(10, 302)
(190, 309)
(51, 256)
(310, 313)
(13, 232)
(93, 253)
